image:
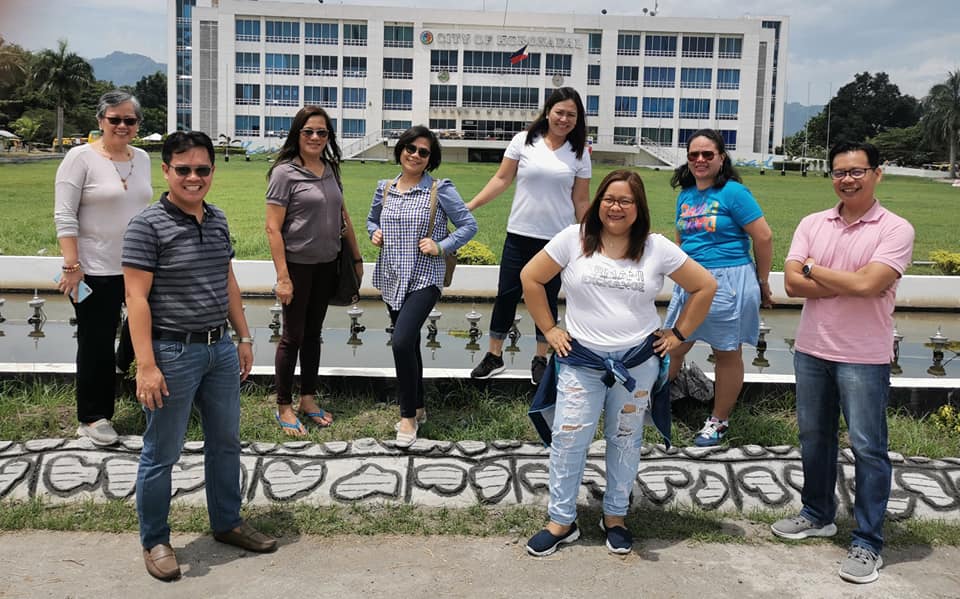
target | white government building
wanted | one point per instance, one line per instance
(242, 68)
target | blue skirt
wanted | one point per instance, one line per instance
(734, 316)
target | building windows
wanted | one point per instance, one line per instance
(593, 105)
(247, 30)
(729, 139)
(354, 97)
(398, 99)
(443, 95)
(482, 96)
(499, 63)
(287, 32)
(658, 108)
(282, 64)
(443, 60)
(594, 42)
(727, 110)
(558, 64)
(655, 136)
(354, 66)
(246, 125)
(660, 45)
(625, 106)
(695, 78)
(694, 108)
(628, 44)
(728, 78)
(283, 95)
(185, 35)
(593, 74)
(442, 124)
(628, 76)
(184, 62)
(320, 65)
(354, 34)
(325, 97)
(697, 46)
(398, 68)
(327, 34)
(625, 136)
(398, 36)
(247, 94)
(353, 128)
(659, 76)
(247, 62)
(277, 126)
(730, 47)
(394, 129)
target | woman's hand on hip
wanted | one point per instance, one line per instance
(559, 340)
(284, 291)
(666, 343)
(429, 247)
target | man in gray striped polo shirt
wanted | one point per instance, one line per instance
(180, 292)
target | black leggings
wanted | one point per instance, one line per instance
(407, 322)
(97, 319)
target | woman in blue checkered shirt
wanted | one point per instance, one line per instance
(410, 268)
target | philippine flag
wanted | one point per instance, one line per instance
(519, 55)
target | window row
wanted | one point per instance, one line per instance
(248, 125)
(664, 137)
(626, 106)
(354, 34)
(629, 44)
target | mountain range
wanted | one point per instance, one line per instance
(123, 68)
(796, 115)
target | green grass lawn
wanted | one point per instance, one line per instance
(26, 203)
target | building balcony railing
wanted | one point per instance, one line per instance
(354, 104)
(592, 112)
(628, 52)
(625, 140)
(630, 113)
(659, 52)
(726, 117)
(593, 51)
(697, 54)
(397, 75)
(694, 85)
(282, 71)
(694, 115)
(501, 70)
(730, 54)
(354, 73)
(443, 102)
(184, 105)
(277, 133)
(397, 43)
(245, 37)
(321, 72)
(283, 39)
(322, 41)
(322, 103)
(658, 84)
(728, 86)
(349, 41)
(247, 133)
(352, 134)
(248, 102)
(500, 104)
(628, 83)
(242, 69)
(282, 102)
(183, 21)
(557, 71)
(437, 68)
(649, 114)
(398, 106)
(593, 82)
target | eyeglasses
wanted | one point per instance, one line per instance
(707, 155)
(622, 203)
(308, 133)
(129, 121)
(184, 171)
(421, 152)
(854, 173)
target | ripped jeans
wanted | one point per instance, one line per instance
(581, 395)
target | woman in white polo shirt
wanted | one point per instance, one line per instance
(552, 167)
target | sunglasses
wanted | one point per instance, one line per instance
(129, 121)
(184, 171)
(308, 133)
(421, 152)
(707, 155)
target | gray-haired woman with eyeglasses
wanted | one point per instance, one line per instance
(99, 188)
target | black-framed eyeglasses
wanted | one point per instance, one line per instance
(184, 171)
(854, 173)
(308, 133)
(707, 155)
(623, 203)
(421, 152)
(129, 121)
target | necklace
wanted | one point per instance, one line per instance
(122, 178)
(129, 157)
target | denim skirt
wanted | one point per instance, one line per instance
(734, 316)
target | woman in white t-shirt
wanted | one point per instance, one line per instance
(552, 168)
(609, 356)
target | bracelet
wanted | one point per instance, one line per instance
(439, 249)
(245, 340)
(72, 268)
(763, 282)
(676, 333)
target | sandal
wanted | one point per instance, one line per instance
(318, 417)
(287, 427)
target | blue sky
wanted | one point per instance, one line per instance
(916, 43)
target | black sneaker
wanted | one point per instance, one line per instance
(619, 538)
(544, 542)
(488, 366)
(537, 366)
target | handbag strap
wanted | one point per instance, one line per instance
(433, 208)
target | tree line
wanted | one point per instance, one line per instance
(48, 93)
(907, 131)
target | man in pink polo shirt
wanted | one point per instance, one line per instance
(846, 262)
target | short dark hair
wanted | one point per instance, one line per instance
(842, 147)
(291, 145)
(410, 135)
(179, 142)
(591, 227)
(683, 178)
(578, 136)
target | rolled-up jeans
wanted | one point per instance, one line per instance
(581, 395)
(861, 391)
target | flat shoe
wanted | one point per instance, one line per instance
(247, 537)
(161, 562)
(405, 440)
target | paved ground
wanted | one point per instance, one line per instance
(101, 565)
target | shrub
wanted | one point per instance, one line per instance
(946, 262)
(947, 419)
(475, 253)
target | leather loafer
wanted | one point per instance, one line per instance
(161, 562)
(247, 537)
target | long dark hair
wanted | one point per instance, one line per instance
(591, 228)
(682, 177)
(291, 146)
(577, 137)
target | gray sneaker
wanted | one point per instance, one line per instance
(861, 565)
(100, 432)
(801, 528)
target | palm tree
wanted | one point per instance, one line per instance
(226, 141)
(941, 116)
(61, 75)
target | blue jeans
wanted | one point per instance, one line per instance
(581, 395)
(208, 376)
(407, 322)
(861, 391)
(517, 251)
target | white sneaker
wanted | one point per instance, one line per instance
(100, 432)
